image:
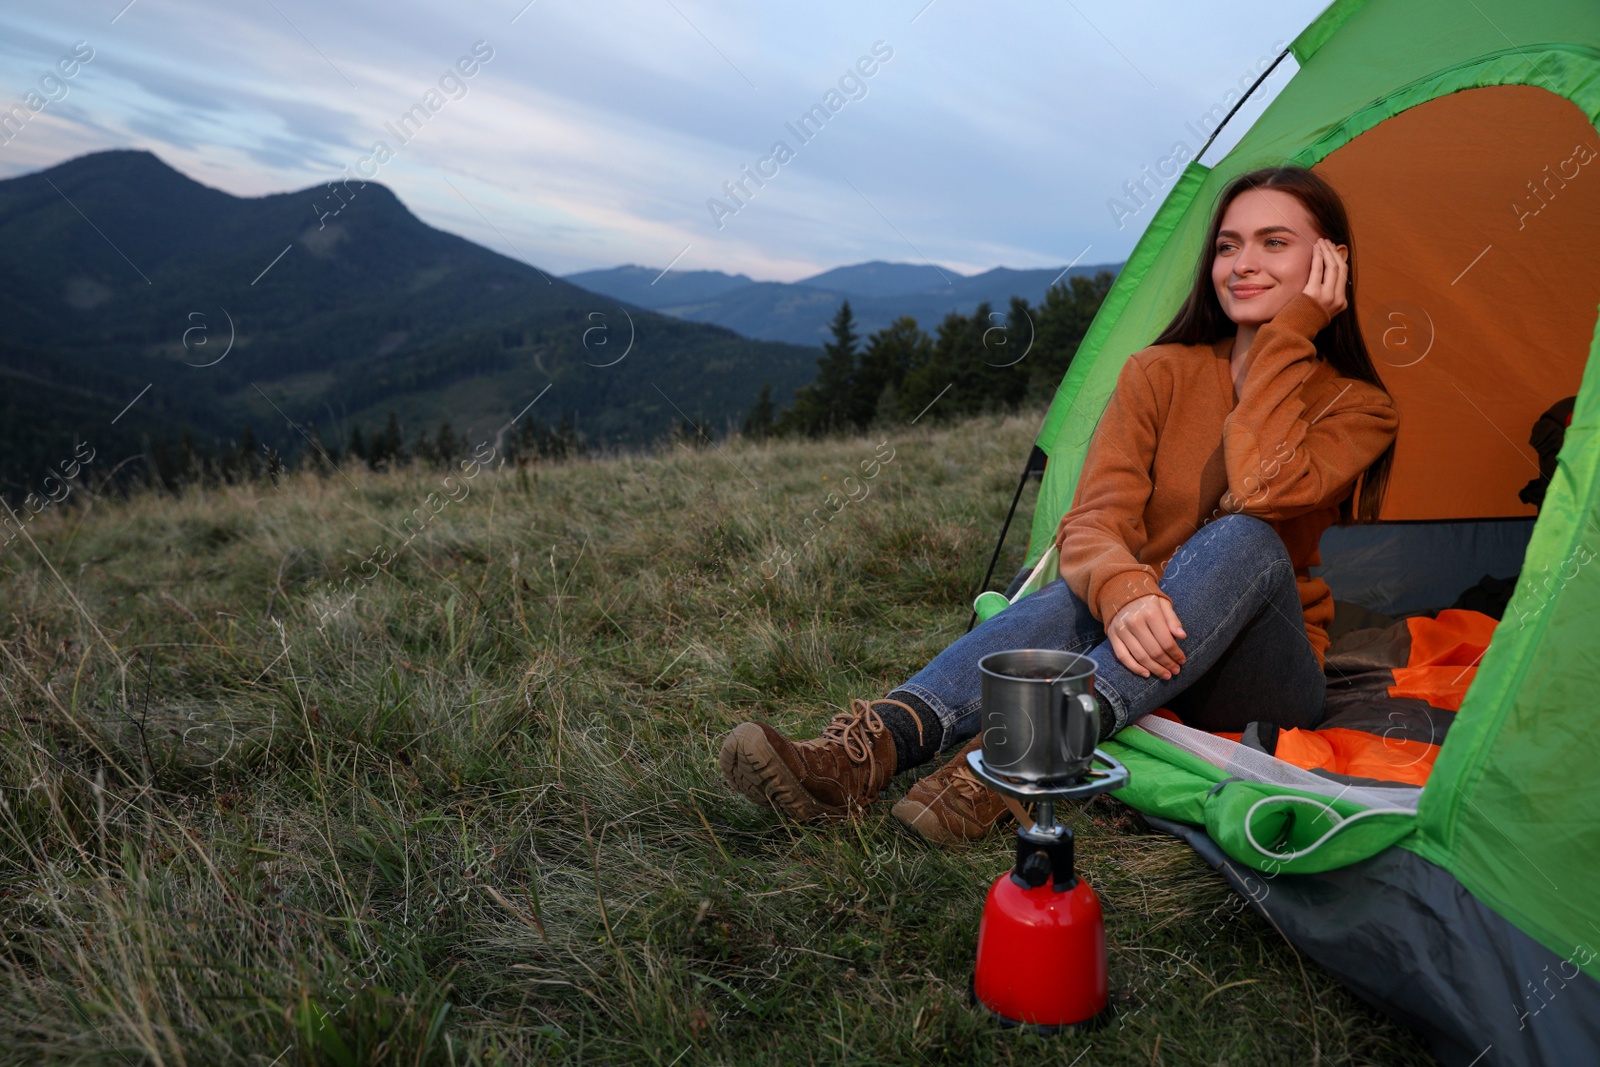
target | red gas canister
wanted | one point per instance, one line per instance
(1042, 952)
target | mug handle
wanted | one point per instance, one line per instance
(1082, 748)
(1091, 715)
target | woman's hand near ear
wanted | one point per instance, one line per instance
(1143, 635)
(1330, 274)
(1299, 436)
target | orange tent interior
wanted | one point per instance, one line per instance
(1463, 248)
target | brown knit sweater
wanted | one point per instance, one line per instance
(1175, 450)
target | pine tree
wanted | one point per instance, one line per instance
(836, 372)
(357, 447)
(891, 354)
(567, 437)
(1062, 321)
(758, 423)
(378, 450)
(528, 441)
(945, 382)
(977, 362)
(824, 405)
(447, 447)
(1007, 347)
(802, 416)
(888, 412)
(394, 446)
(424, 450)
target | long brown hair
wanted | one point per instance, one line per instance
(1201, 320)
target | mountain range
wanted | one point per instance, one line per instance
(137, 304)
(799, 312)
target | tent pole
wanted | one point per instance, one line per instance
(1036, 462)
(1264, 76)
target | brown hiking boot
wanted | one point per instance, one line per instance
(950, 805)
(842, 770)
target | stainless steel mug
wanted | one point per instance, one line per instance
(1040, 721)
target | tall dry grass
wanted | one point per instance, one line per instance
(473, 816)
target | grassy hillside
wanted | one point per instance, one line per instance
(465, 808)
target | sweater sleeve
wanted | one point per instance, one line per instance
(1100, 537)
(1282, 459)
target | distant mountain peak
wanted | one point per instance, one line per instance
(879, 278)
(345, 307)
(144, 166)
(649, 287)
(133, 162)
(879, 292)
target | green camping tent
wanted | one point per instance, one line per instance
(1462, 136)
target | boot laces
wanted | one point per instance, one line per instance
(961, 784)
(966, 784)
(854, 729)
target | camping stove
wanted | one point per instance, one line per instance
(1041, 941)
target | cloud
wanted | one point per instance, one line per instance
(598, 130)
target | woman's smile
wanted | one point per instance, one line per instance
(1262, 257)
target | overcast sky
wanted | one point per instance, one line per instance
(994, 134)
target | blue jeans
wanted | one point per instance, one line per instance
(1247, 656)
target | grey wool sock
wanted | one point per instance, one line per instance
(1108, 716)
(912, 747)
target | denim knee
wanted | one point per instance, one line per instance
(1249, 538)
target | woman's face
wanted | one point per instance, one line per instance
(1263, 254)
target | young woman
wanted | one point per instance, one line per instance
(1227, 448)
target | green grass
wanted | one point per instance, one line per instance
(475, 817)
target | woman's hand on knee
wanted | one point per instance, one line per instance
(1144, 636)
